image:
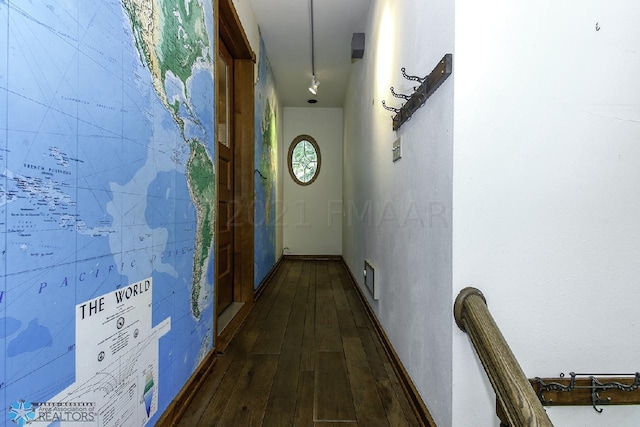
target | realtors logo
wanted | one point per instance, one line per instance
(22, 412)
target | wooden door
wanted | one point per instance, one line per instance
(224, 114)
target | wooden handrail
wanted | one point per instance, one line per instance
(519, 403)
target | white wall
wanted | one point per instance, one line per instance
(547, 191)
(544, 200)
(398, 215)
(312, 214)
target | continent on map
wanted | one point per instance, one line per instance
(200, 176)
(172, 40)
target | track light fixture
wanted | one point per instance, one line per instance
(314, 85)
(314, 82)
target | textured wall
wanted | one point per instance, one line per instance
(398, 215)
(546, 199)
(312, 214)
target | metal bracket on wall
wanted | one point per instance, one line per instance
(428, 85)
(614, 390)
(264, 178)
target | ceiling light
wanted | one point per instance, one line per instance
(314, 85)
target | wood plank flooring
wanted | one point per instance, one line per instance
(307, 355)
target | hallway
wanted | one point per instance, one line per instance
(307, 355)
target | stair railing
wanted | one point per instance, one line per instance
(518, 405)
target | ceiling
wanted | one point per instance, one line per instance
(286, 29)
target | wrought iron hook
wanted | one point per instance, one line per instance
(595, 387)
(412, 78)
(542, 386)
(386, 107)
(399, 95)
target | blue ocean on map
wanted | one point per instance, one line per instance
(94, 190)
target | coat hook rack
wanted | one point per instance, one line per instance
(588, 390)
(428, 85)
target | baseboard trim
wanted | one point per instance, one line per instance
(179, 404)
(314, 257)
(410, 390)
(268, 277)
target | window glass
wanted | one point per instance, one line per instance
(304, 160)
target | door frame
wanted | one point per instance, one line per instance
(225, 192)
(230, 31)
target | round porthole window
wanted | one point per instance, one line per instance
(304, 160)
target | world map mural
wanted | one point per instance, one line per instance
(107, 201)
(265, 164)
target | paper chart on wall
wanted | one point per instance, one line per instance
(117, 357)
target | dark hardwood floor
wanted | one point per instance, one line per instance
(307, 355)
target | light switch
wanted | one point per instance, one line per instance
(397, 150)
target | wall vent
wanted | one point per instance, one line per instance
(369, 280)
